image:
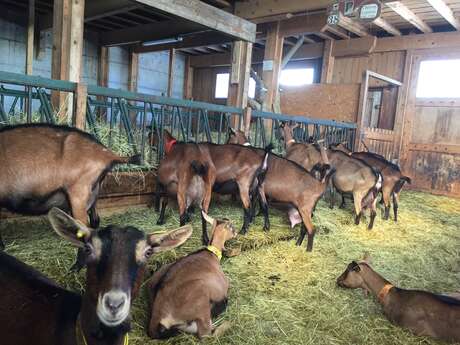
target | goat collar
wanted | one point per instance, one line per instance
(169, 145)
(384, 292)
(217, 252)
(81, 340)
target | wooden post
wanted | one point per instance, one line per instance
(30, 38)
(272, 64)
(79, 115)
(172, 61)
(68, 25)
(240, 74)
(188, 79)
(328, 63)
(103, 67)
(133, 71)
(247, 121)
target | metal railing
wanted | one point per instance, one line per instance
(129, 122)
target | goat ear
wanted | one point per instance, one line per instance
(170, 239)
(367, 258)
(69, 228)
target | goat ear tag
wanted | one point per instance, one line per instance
(80, 234)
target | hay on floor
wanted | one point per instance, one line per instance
(279, 293)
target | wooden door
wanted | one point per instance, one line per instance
(430, 148)
(376, 126)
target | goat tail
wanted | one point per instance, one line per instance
(199, 168)
(398, 186)
(262, 169)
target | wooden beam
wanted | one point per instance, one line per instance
(207, 16)
(254, 9)
(172, 61)
(328, 63)
(292, 51)
(352, 26)
(307, 51)
(30, 38)
(79, 115)
(95, 9)
(408, 15)
(240, 75)
(200, 39)
(445, 11)
(103, 67)
(148, 32)
(272, 64)
(76, 39)
(354, 47)
(188, 79)
(301, 25)
(338, 31)
(133, 71)
(386, 26)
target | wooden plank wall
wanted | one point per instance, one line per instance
(204, 84)
(434, 149)
(351, 69)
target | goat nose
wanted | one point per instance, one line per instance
(114, 303)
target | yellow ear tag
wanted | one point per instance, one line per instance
(80, 234)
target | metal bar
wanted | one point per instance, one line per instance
(219, 133)
(27, 80)
(29, 104)
(144, 121)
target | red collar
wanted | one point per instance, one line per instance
(169, 146)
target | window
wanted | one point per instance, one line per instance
(222, 80)
(439, 79)
(297, 77)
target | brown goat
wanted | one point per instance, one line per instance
(288, 183)
(393, 179)
(352, 175)
(188, 173)
(35, 310)
(423, 313)
(45, 166)
(237, 137)
(186, 295)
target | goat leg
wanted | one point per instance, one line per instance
(303, 232)
(94, 219)
(2, 245)
(311, 237)
(247, 221)
(395, 206)
(161, 219)
(342, 204)
(158, 190)
(371, 223)
(204, 231)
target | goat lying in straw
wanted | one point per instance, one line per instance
(185, 295)
(423, 313)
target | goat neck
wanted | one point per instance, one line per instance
(374, 282)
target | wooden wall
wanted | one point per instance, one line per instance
(326, 101)
(350, 69)
(204, 84)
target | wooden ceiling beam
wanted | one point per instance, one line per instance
(407, 14)
(302, 25)
(148, 32)
(206, 15)
(253, 9)
(445, 11)
(352, 26)
(383, 24)
(95, 9)
(335, 30)
(201, 39)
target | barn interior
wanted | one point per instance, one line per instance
(124, 70)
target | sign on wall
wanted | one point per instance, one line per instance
(361, 10)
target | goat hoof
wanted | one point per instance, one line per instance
(243, 232)
(266, 228)
(160, 222)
